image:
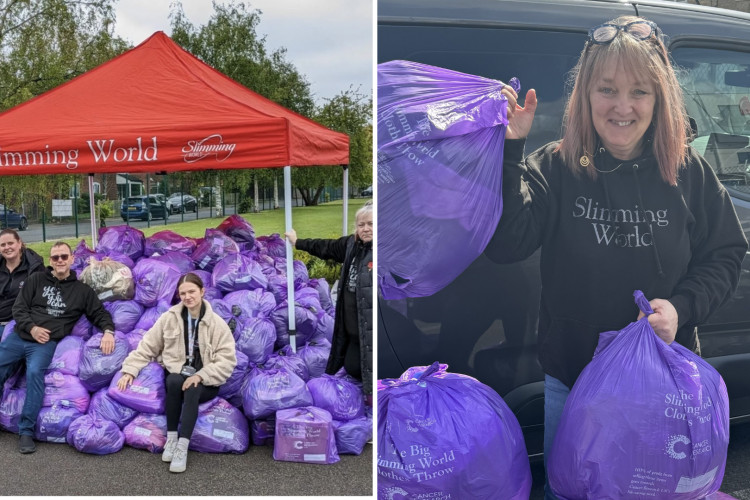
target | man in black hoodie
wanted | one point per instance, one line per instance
(45, 311)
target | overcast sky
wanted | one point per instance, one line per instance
(328, 41)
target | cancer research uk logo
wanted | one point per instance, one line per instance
(213, 145)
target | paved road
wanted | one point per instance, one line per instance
(58, 469)
(736, 477)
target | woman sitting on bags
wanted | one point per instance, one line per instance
(352, 332)
(16, 264)
(621, 203)
(198, 353)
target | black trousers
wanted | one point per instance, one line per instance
(185, 403)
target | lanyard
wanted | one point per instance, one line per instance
(192, 330)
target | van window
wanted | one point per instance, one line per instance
(716, 84)
(539, 59)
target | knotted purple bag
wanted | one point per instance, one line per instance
(220, 428)
(440, 156)
(644, 418)
(95, 435)
(448, 435)
(305, 435)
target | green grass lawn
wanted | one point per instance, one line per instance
(322, 221)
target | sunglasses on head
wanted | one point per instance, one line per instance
(63, 257)
(605, 33)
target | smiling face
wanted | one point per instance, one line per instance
(364, 227)
(10, 247)
(60, 258)
(191, 296)
(622, 108)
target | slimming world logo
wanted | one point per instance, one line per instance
(213, 145)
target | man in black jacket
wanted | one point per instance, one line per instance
(45, 311)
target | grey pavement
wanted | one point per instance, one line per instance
(59, 469)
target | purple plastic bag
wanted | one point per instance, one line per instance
(151, 315)
(125, 314)
(67, 356)
(449, 434)
(286, 358)
(214, 247)
(147, 431)
(324, 327)
(123, 239)
(237, 272)
(155, 281)
(266, 391)
(83, 328)
(178, 259)
(65, 390)
(8, 328)
(220, 428)
(262, 431)
(251, 302)
(89, 434)
(315, 355)
(134, 338)
(97, 368)
(103, 406)
(440, 156)
(352, 435)
(341, 398)
(53, 422)
(167, 241)
(81, 254)
(272, 244)
(642, 414)
(238, 229)
(306, 307)
(147, 393)
(233, 385)
(324, 293)
(305, 435)
(255, 337)
(122, 259)
(14, 395)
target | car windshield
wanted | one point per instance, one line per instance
(135, 200)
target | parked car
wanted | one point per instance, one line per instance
(12, 219)
(149, 207)
(181, 203)
(366, 192)
(484, 323)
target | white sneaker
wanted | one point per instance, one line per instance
(169, 448)
(179, 459)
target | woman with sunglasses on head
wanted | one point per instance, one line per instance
(16, 264)
(621, 203)
(198, 354)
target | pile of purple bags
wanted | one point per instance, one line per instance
(245, 283)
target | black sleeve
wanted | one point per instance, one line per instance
(22, 305)
(325, 249)
(717, 254)
(95, 311)
(526, 202)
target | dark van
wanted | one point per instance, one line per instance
(484, 323)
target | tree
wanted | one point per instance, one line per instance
(349, 112)
(43, 44)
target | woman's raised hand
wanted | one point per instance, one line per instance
(519, 118)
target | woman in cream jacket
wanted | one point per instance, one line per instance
(198, 354)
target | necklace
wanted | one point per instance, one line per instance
(585, 162)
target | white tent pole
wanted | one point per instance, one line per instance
(92, 210)
(289, 258)
(345, 196)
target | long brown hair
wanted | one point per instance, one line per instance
(648, 58)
